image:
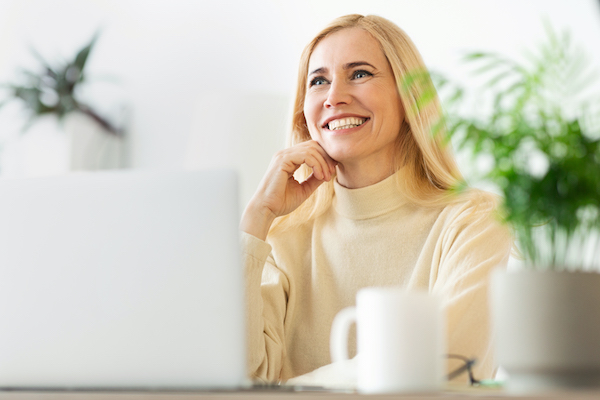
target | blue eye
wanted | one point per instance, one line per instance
(319, 80)
(361, 74)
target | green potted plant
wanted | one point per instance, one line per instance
(535, 136)
(53, 92)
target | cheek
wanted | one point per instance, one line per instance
(311, 116)
(313, 132)
(394, 110)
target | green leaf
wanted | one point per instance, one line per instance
(83, 54)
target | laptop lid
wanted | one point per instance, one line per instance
(121, 280)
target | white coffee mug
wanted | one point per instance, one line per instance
(400, 340)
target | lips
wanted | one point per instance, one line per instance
(344, 123)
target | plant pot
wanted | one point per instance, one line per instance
(547, 329)
(51, 148)
(91, 146)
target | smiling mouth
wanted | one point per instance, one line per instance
(346, 123)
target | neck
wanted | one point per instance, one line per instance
(353, 176)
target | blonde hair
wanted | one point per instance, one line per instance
(430, 171)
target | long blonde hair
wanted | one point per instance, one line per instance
(430, 170)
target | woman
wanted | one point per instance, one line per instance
(372, 206)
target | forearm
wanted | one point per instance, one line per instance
(265, 311)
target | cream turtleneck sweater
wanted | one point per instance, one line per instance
(300, 279)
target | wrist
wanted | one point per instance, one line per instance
(257, 221)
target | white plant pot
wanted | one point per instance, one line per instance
(91, 146)
(50, 148)
(547, 329)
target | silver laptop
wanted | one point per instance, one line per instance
(121, 280)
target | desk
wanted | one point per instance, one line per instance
(279, 395)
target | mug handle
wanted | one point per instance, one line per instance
(338, 340)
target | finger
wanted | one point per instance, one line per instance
(310, 185)
(318, 165)
(331, 163)
(311, 155)
(318, 154)
(288, 161)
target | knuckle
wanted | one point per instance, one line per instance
(279, 155)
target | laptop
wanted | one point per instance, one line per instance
(121, 280)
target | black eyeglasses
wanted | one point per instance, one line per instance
(467, 366)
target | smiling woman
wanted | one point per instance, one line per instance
(363, 196)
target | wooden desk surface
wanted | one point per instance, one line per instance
(285, 395)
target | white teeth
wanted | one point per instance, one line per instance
(346, 123)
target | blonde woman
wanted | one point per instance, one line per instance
(362, 197)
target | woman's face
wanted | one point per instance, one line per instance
(352, 106)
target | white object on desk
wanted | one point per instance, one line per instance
(400, 340)
(121, 280)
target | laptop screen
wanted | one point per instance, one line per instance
(126, 279)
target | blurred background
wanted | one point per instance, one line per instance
(202, 84)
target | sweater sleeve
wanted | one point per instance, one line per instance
(267, 289)
(473, 245)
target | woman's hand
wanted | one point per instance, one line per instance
(279, 193)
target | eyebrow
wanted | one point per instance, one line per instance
(345, 67)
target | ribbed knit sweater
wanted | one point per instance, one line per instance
(301, 278)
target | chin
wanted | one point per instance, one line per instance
(337, 155)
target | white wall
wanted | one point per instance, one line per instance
(187, 70)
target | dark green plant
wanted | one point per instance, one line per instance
(536, 129)
(52, 89)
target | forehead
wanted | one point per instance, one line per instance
(345, 46)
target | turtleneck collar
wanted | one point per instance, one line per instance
(370, 201)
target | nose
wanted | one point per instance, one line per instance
(338, 94)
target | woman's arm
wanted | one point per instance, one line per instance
(473, 245)
(266, 303)
(267, 287)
